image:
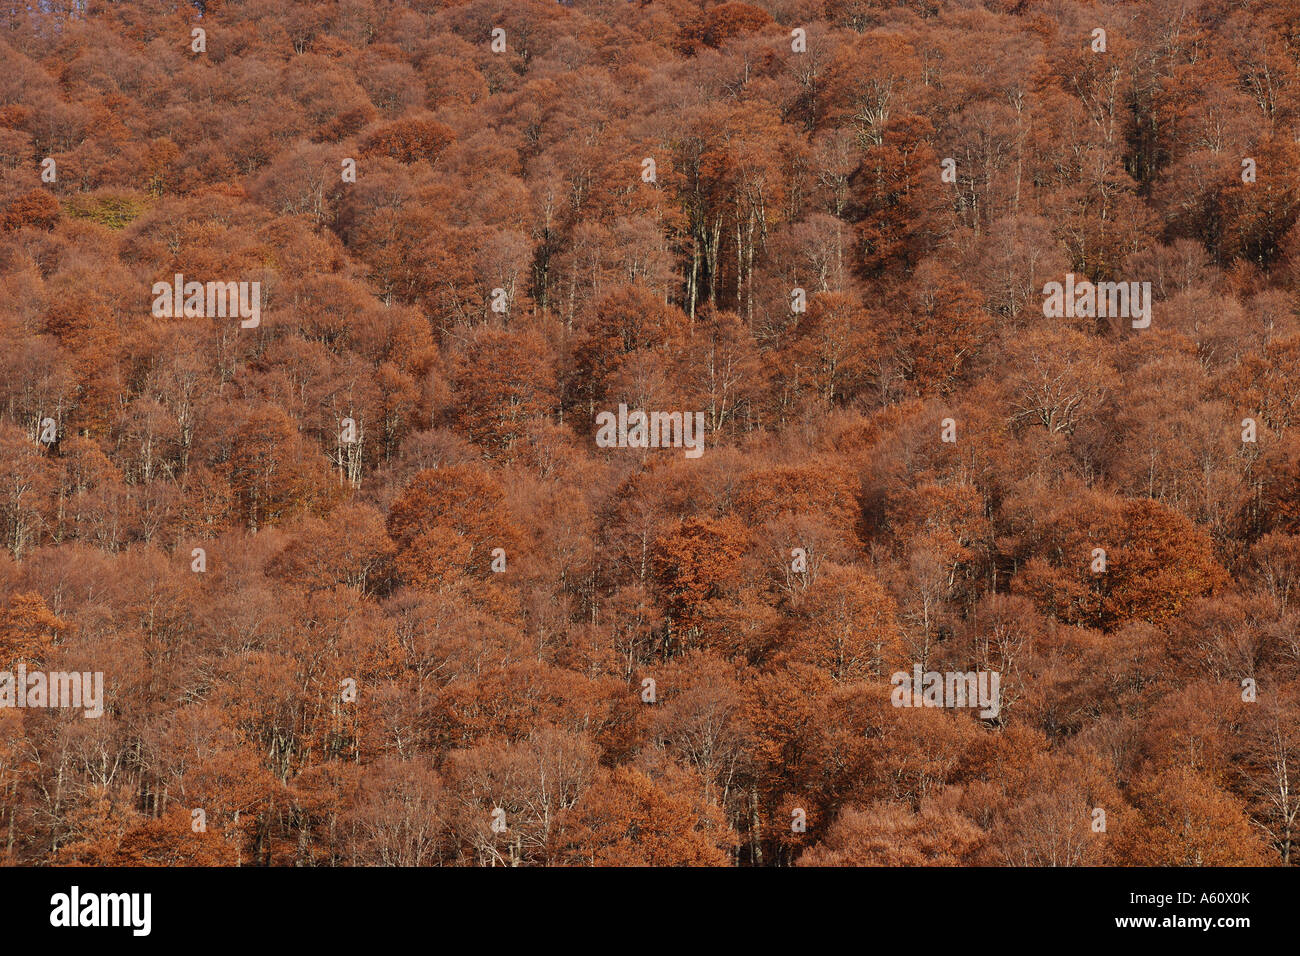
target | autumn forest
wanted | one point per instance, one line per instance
(649, 433)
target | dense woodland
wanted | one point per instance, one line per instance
(516, 694)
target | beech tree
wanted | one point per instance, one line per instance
(365, 590)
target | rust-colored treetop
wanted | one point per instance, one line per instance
(600, 433)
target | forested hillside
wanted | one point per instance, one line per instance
(378, 570)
